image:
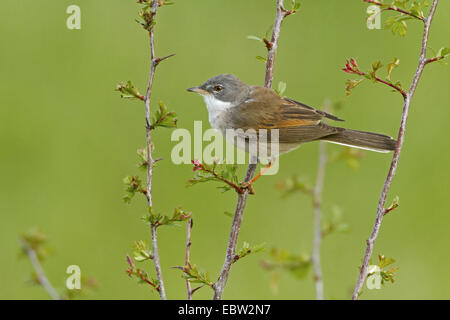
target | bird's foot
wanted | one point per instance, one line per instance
(248, 185)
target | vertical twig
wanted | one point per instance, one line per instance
(280, 15)
(317, 203)
(187, 259)
(401, 136)
(219, 286)
(150, 162)
(42, 278)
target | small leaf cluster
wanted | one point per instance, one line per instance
(164, 118)
(442, 53)
(295, 6)
(194, 274)
(394, 205)
(133, 185)
(37, 241)
(129, 91)
(404, 10)
(88, 285)
(387, 274)
(352, 67)
(280, 259)
(141, 251)
(161, 118)
(397, 23)
(147, 16)
(334, 223)
(141, 275)
(292, 185)
(143, 158)
(157, 219)
(247, 250)
(351, 157)
(218, 172)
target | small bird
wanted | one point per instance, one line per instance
(232, 104)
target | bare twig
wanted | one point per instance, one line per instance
(150, 162)
(219, 286)
(401, 135)
(42, 278)
(280, 15)
(188, 256)
(317, 202)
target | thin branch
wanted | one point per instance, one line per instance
(187, 259)
(280, 15)
(401, 136)
(352, 68)
(434, 59)
(132, 270)
(391, 8)
(154, 63)
(317, 203)
(42, 278)
(162, 291)
(199, 166)
(219, 286)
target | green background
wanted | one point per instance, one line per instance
(67, 140)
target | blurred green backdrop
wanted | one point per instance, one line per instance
(67, 140)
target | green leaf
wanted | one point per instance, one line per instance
(376, 66)
(194, 274)
(254, 38)
(142, 252)
(295, 5)
(281, 88)
(128, 91)
(133, 185)
(352, 84)
(391, 67)
(228, 214)
(399, 27)
(164, 118)
(293, 185)
(261, 59)
(216, 172)
(280, 259)
(443, 52)
(247, 249)
(394, 205)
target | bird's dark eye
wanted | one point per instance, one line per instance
(218, 88)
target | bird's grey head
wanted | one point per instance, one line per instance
(224, 87)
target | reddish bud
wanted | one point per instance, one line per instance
(353, 62)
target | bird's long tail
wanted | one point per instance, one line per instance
(363, 140)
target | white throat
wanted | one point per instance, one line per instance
(215, 109)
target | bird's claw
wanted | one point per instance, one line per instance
(248, 185)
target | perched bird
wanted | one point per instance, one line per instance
(232, 104)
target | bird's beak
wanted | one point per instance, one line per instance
(198, 90)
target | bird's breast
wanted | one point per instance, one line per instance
(217, 110)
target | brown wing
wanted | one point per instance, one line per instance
(264, 109)
(323, 113)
